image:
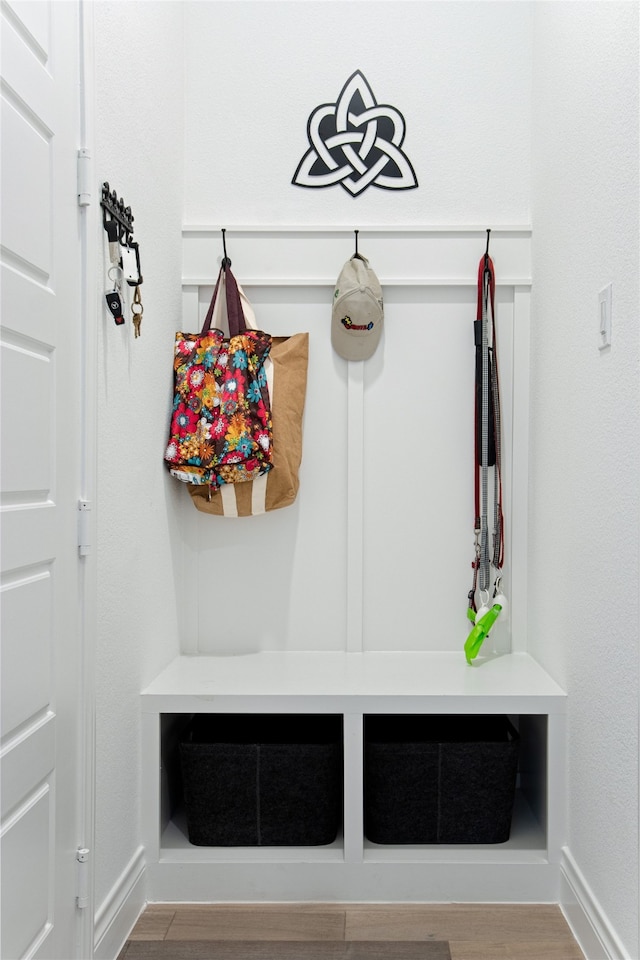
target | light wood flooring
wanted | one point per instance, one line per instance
(384, 932)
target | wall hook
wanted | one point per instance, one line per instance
(487, 263)
(356, 254)
(225, 259)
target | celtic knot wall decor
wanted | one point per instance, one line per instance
(357, 143)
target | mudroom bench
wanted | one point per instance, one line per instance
(353, 687)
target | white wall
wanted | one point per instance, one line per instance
(583, 617)
(138, 150)
(460, 73)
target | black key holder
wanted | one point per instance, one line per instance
(117, 220)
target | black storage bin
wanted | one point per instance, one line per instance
(262, 780)
(439, 779)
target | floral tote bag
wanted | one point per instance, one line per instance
(221, 429)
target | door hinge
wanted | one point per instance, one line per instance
(82, 898)
(84, 525)
(84, 177)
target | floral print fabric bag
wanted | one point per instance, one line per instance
(221, 429)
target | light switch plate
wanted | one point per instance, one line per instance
(605, 298)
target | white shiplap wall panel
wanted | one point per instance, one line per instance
(418, 469)
(279, 581)
(375, 554)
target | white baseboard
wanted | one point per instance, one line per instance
(589, 924)
(120, 909)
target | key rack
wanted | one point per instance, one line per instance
(117, 220)
(115, 215)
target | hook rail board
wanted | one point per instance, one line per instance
(312, 256)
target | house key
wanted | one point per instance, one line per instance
(137, 310)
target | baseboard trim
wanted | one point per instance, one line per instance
(589, 923)
(120, 909)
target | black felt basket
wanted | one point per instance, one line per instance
(439, 779)
(262, 780)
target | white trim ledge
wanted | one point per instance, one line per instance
(364, 229)
(588, 921)
(120, 909)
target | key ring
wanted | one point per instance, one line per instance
(117, 280)
(137, 310)
(137, 302)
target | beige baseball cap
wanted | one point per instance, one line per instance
(357, 313)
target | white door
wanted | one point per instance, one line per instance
(39, 475)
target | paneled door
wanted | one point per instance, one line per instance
(39, 471)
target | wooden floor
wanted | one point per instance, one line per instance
(386, 932)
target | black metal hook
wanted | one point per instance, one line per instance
(226, 262)
(356, 254)
(136, 248)
(487, 268)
